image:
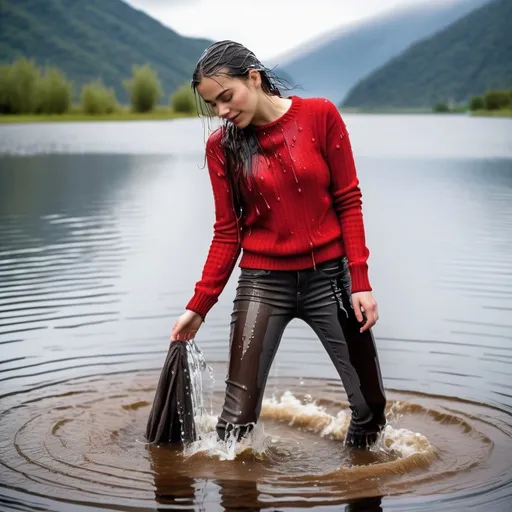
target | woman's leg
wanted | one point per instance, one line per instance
(327, 308)
(262, 308)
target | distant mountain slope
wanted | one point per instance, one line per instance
(331, 65)
(467, 58)
(88, 39)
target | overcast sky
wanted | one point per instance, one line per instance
(268, 27)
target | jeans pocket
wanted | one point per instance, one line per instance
(332, 269)
(253, 273)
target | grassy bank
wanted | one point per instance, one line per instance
(502, 112)
(385, 110)
(76, 114)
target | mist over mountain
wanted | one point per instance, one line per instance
(330, 65)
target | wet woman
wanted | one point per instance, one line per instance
(287, 196)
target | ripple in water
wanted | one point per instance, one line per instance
(82, 441)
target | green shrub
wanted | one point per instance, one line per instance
(53, 93)
(18, 88)
(441, 107)
(4, 89)
(476, 103)
(183, 100)
(98, 99)
(144, 88)
(494, 100)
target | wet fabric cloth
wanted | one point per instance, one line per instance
(266, 301)
(171, 419)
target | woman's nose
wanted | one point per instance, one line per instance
(223, 111)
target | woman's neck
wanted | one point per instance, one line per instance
(271, 108)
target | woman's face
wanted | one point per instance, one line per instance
(233, 99)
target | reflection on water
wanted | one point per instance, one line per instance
(103, 233)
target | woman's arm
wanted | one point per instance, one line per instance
(225, 246)
(347, 197)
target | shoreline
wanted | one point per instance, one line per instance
(504, 112)
(159, 114)
(164, 114)
(426, 111)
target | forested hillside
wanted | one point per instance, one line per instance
(466, 59)
(93, 39)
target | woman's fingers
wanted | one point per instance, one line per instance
(364, 301)
(372, 315)
(356, 304)
(175, 331)
(178, 335)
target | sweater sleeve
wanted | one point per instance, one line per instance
(225, 246)
(347, 197)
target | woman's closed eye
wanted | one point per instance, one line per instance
(223, 100)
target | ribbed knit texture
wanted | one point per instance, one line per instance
(302, 208)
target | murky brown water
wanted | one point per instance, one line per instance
(103, 231)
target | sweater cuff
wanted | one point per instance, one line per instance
(359, 277)
(201, 303)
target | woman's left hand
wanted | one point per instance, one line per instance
(365, 301)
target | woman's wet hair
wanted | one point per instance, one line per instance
(233, 60)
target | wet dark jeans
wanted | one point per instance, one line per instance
(266, 301)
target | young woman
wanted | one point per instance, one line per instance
(286, 195)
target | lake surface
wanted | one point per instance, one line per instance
(104, 228)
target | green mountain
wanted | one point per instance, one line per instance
(469, 57)
(90, 39)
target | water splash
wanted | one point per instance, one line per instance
(207, 440)
(197, 366)
(305, 414)
(316, 419)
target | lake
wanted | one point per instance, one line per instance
(104, 228)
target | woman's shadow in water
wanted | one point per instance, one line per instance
(173, 488)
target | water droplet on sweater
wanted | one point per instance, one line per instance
(292, 232)
(300, 128)
(278, 198)
(299, 189)
(338, 146)
(294, 138)
(313, 139)
(262, 178)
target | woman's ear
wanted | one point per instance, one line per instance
(255, 78)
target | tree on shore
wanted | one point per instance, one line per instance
(143, 88)
(98, 99)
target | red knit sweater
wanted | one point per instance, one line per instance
(303, 208)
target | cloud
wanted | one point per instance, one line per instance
(267, 27)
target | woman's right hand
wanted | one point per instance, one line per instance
(186, 326)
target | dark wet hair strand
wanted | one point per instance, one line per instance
(232, 59)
